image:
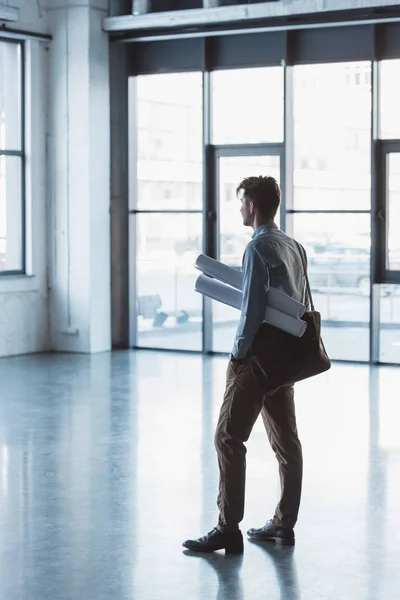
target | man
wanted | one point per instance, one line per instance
(271, 259)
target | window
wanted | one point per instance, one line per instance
(393, 212)
(332, 172)
(389, 99)
(389, 324)
(168, 210)
(169, 142)
(338, 253)
(255, 101)
(331, 131)
(169, 311)
(332, 125)
(12, 259)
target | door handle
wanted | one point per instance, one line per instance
(380, 214)
(211, 215)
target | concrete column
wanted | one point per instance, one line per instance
(79, 193)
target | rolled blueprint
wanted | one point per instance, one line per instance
(216, 290)
(285, 322)
(234, 278)
(215, 268)
(285, 303)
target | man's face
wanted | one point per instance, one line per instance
(246, 209)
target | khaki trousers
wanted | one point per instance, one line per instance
(244, 399)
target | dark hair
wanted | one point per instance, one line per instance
(264, 192)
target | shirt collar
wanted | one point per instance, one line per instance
(264, 229)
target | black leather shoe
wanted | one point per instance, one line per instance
(272, 533)
(232, 543)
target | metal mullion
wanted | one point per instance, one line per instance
(18, 153)
(132, 202)
(209, 198)
(389, 146)
(11, 273)
(273, 149)
(329, 212)
(287, 184)
(386, 275)
(23, 149)
(376, 247)
(167, 212)
(391, 277)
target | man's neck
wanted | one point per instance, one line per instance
(259, 222)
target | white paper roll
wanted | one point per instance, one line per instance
(284, 303)
(285, 322)
(218, 291)
(215, 268)
(234, 278)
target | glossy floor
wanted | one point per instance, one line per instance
(107, 464)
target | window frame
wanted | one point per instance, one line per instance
(21, 154)
(210, 51)
(384, 275)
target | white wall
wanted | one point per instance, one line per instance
(64, 302)
(24, 323)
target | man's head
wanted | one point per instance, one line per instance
(260, 198)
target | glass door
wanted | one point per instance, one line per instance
(393, 212)
(389, 263)
(232, 236)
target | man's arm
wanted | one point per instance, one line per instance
(255, 286)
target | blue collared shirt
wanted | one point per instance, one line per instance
(271, 259)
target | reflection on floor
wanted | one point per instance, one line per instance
(107, 465)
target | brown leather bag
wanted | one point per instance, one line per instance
(284, 359)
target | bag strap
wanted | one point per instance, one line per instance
(308, 288)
